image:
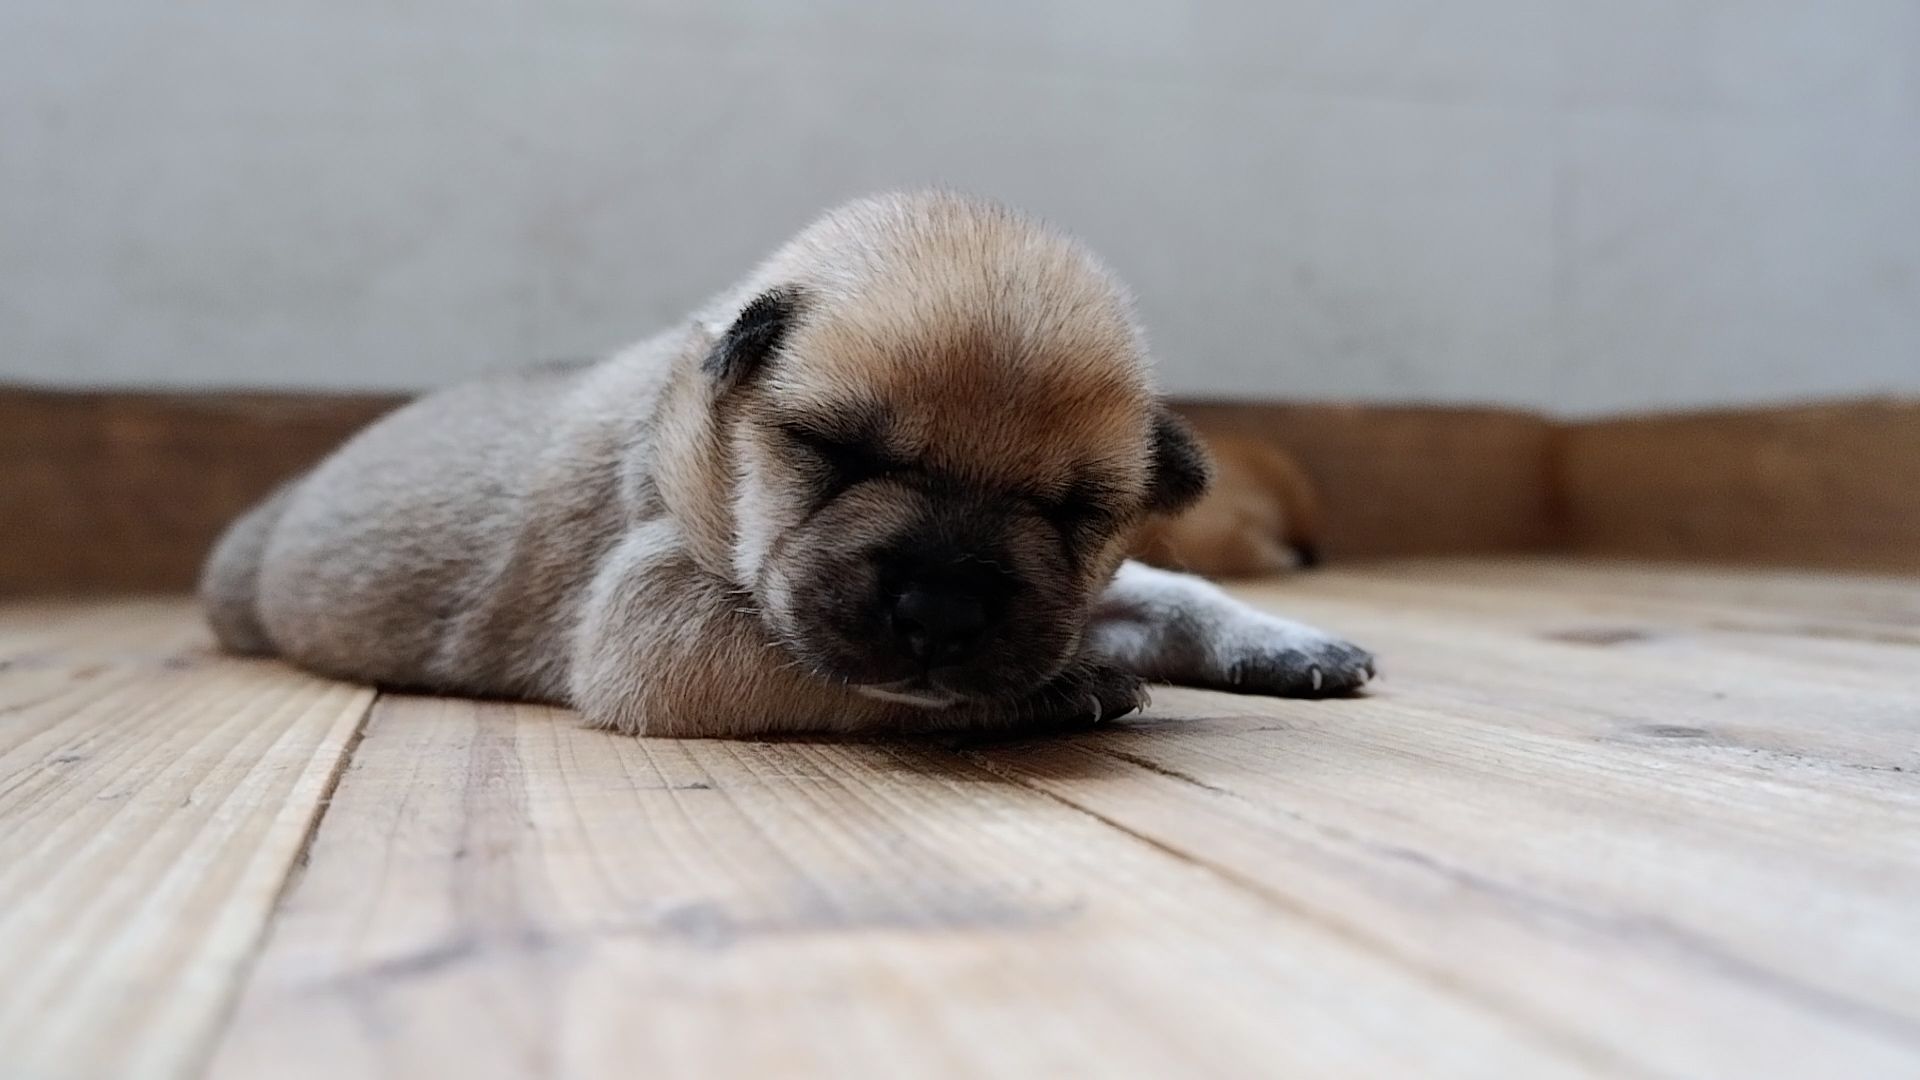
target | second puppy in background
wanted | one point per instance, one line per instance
(1262, 516)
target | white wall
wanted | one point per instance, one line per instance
(1581, 205)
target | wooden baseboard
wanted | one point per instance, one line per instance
(1411, 480)
(1829, 485)
(115, 492)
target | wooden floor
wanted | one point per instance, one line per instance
(1595, 820)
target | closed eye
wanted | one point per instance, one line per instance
(1075, 515)
(849, 460)
(1081, 508)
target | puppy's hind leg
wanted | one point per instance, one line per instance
(1179, 628)
(229, 583)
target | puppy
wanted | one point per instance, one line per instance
(884, 484)
(1260, 516)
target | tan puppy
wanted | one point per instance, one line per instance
(886, 483)
(1260, 516)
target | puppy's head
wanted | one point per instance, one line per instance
(941, 432)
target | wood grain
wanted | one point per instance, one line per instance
(1829, 485)
(1596, 819)
(1840, 629)
(152, 802)
(497, 892)
(1657, 841)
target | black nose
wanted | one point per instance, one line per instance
(935, 625)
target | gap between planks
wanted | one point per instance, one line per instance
(1588, 1052)
(223, 1013)
(153, 799)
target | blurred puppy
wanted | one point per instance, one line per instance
(1261, 516)
(885, 483)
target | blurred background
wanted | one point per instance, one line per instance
(1563, 205)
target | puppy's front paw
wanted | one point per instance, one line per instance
(1290, 663)
(1085, 694)
(1088, 693)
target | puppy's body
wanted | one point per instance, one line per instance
(884, 484)
(447, 545)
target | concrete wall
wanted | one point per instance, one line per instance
(1574, 205)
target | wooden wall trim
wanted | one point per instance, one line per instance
(1833, 485)
(111, 492)
(1412, 480)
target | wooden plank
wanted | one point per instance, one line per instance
(1834, 484)
(498, 892)
(1701, 860)
(1412, 480)
(1881, 598)
(1837, 631)
(1769, 708)
(153, 799)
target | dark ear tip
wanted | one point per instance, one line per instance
(1181, 469)
(777, 304)
(755, 334)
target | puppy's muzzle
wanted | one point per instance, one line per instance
(940, 611)
(938, 625)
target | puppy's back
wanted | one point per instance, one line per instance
(407, 556)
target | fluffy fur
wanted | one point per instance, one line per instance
(718, 530)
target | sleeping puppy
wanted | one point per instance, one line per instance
(884, 484)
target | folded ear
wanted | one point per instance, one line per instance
(1181, 470)
(754, 336)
